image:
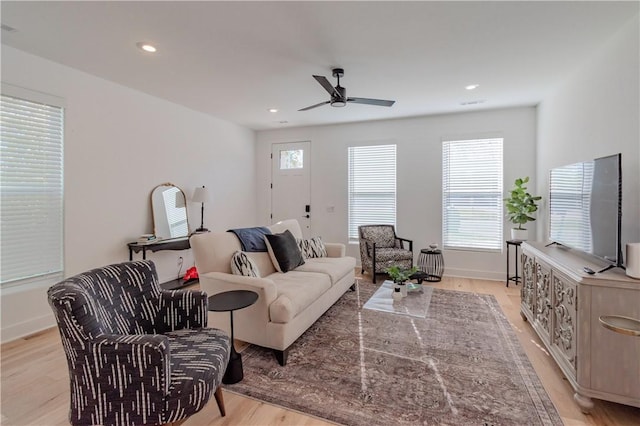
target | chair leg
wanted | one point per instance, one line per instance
(220, 401)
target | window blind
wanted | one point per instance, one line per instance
(31, 187)
(372, 186)
(472, 194)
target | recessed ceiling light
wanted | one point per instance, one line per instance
(146, 47)
(476, 102)
(273, 109)
(471, 86)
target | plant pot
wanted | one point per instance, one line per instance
(403, 289)
(396, 295)
(519, 234)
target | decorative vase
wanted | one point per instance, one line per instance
(396, 295)
(519, 234)
(403, 289)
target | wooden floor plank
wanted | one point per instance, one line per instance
(35, 381)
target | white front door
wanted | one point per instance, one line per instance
(291, 183)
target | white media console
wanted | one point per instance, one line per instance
(563, 305)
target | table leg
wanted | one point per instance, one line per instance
(508, 264)
(516, 277)
(234, 372)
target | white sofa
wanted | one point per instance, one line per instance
(288, 303)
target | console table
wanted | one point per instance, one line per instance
(564, 305)
(171, 244)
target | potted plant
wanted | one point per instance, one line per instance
(520, 205)
(400, 276)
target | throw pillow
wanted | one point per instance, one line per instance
(313, 247)
(241, 264)
(284, 251)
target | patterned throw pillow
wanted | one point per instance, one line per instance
(313, 247)
(241, 264)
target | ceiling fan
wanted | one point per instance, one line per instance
(339, 94)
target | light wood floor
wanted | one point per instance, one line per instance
(35, 381)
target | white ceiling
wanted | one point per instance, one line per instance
(235, 60)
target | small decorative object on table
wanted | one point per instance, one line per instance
(396, 294)
(400, 277)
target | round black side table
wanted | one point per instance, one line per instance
(232, 301)
(431, 263)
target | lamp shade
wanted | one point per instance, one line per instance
(200, 195)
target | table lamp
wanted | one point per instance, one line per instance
(201, 195)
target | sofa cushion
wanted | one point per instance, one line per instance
(334, 267)
(290, 224)
(284, 251)
(296, 291)
(241, 264)
(312, 248)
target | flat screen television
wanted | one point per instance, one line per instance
(585, 207)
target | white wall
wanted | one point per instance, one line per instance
(419, 174)
(119, 144)
(595, 113)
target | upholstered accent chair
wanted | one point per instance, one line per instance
(381, 248)
(137, 355)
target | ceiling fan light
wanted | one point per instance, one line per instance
(338, 103)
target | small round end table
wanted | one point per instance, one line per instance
(232, 301)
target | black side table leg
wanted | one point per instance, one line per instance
(234, 372)
(508, 264)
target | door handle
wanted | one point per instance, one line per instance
(307, 216)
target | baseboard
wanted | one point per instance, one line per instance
(27, 328)
(465, 273)
(474, 274)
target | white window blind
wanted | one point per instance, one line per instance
(372, 186)
(472, 194)
(31, 187)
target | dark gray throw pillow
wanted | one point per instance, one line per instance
(284, 251)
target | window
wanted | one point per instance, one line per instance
(292, 159)
(31, 185)
(372, 186)
(472, 213)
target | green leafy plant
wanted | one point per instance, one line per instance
(399, 275)
(520, 205)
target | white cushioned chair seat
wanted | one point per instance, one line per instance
(335, 268)
(294, 298)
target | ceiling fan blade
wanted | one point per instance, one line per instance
(379, 102)
(314, 106)
(327, 86)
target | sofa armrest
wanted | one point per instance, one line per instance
(181, 309)
(217, 282)
(335, 249)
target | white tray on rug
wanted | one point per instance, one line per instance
(416, 304)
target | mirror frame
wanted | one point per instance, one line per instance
(153, 213)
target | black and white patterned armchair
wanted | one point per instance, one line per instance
(381, 248)
(137, 355)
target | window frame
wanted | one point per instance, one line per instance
(43, 278)
(494, 194)
(391, 198)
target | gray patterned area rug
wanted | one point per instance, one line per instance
(460, 365)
